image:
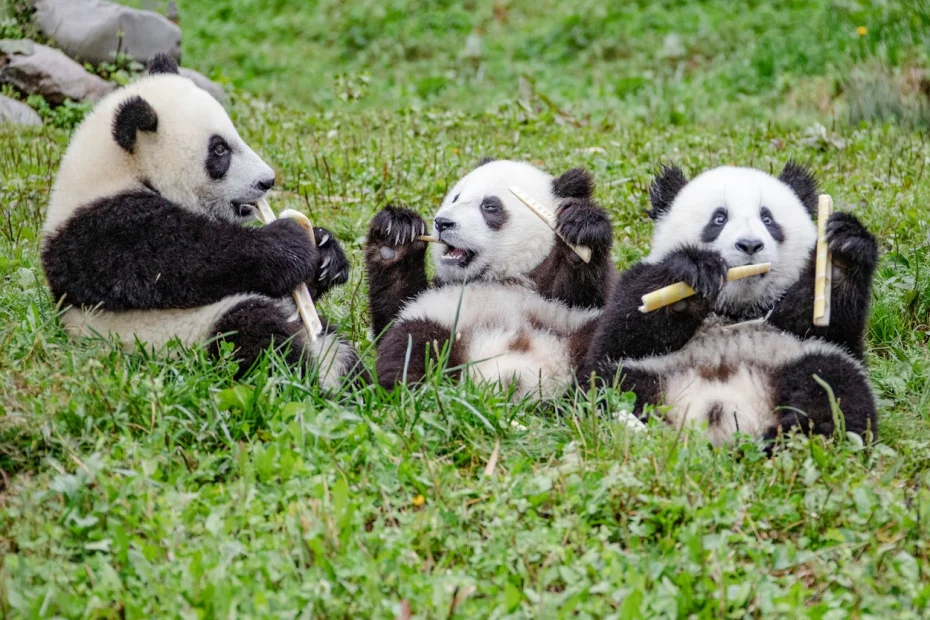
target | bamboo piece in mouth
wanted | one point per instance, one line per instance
(549, 218)
(674, 293)
(429, 239)
(823, 275)
(305, 307)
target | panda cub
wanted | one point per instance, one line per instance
(144, 238)
(740, 356)
(515, 304)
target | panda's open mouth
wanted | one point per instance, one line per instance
(459, 257)
(243, 209)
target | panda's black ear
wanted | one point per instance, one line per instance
(132, 116)
(668, 181)
(576, 183)
(802, 182)
(163, 63)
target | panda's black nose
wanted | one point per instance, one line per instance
(443, 224)
(265, 184)
(749, 246)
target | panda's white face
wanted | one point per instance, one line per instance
(172, 137)
(486, 232)
(749, 217)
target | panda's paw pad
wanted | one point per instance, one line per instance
(334, 265)
(703, 270)
(396, 227)
(847, 237)
(581, 222)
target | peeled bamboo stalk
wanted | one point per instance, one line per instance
(305, 307)
(549, 218)
(429, 239)
(823, 277)
(673, 293)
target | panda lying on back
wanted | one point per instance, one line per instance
(755, 377)
(517, 304)
(143, 237)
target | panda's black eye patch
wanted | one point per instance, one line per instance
(494, 213)
(778, 234)
(219, 156)
(712, 229)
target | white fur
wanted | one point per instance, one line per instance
(520, 245)
(743, 192)
(171, 159)
(751, 351)
(490, 316)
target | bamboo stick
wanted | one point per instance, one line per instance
(673, 293)
(823, 277)
(549, 218)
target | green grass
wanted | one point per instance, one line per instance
(136, 486)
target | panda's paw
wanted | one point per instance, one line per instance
(582, 222)
(850, 241)
(394, 231)
(703, 270)
(334, 266)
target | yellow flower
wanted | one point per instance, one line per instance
(418, 501)
(862, 30)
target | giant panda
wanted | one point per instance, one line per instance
(144, 237)
(741, 356)
(513, 303)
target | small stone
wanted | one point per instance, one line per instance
(41, 70)
(89, 30)
(18, 113)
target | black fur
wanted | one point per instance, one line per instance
(774, 228)
(855, 255)
(254, 326)
(397, 279)
(669, 180)
(802, 181)
(219, 157)
(405, 351)
(139, 251)
(563, 275)
(484, 160)
(712, 229)
(133, 115)
(163, 63)
(576, 183)
(334, 265)
(624, 332)
(494, 213)
(805, 405)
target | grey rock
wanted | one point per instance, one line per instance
(88, 30)
(17, 112)
(206, 83)
(37, 69)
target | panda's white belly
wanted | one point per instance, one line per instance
(153, 328)
(511, 334)
(722, 378)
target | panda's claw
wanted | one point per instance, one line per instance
(326, 261)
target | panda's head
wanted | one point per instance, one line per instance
(487, 233)
(745, 214)
(164, 134)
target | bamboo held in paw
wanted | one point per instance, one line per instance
(305, 307)
(673, 293)
(549, 218)
(823, 278)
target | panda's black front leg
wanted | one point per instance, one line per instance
(333, 266)
(855, 255)
(564, 275)
(394, 260)
(623, 332)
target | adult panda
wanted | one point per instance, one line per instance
(144, 237)
(741, 356)
(514, 303)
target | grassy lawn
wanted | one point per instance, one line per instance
(144, 486)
